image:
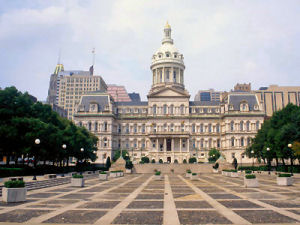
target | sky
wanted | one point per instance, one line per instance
(224, 42)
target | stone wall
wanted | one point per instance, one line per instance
(178, 168)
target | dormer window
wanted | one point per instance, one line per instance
(175, 55)
(167, 55)
(159, 56)
(255, 107)
(231, 107)
(244, 106)
(93, 107)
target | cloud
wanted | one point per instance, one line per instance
(223, 42)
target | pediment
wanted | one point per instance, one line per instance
(169, 92)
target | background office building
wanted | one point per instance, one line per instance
(208, 96)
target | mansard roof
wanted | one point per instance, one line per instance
(204, 103)
(236, 100)
(100, 100)
(141, 103)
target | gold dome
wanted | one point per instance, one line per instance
(167, 26)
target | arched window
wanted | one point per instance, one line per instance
(160, 73)
(201, 143)
(167, 75)
(154, 109)
(134, 143)
(193, 128)
(135, 128)
(182, 109)
(241, 126)
(171, 109)
(209, 128)
(257, 125)
(143, 128)
(127, 143)
(232, 126)
(80, 124)
(209, 143)
(218, 143)
(248, 141)
(182, 127)
(248, 126)
(127, 128)
(165, 127)
(105, 142)
(172, 127)
(242, 141)
(96, 126)
(218, 128)
(143, 143)
(105, 126)
(232, 141)
(194, 143)
(165, 109)
(174, 76)
(201, 128)
(154, 128)
(90, 126)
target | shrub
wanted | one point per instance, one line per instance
(128, 165)
(145, 159)
(216, 166)
(157, 173)
(248, 172)
(192, 160)
(184, 161)
(233, 171)
(250, 176)
(194, 174)
(14, 184)
(160, 161)
(188, 171)
(77, 176)
(108, 163)
(153, 161)
(176, 161)
(284, 175)
(102, 172)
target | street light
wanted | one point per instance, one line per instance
(252, 153)
(268, 158)
(37, 142)
(290, 146)
(64, 146)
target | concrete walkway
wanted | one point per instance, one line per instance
(174, 200)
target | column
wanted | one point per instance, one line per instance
(172, 147)
(188, 144)
(180, 145)
(157, 148)
(165, 144)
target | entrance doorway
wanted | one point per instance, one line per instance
(169, 145)
(169, 159)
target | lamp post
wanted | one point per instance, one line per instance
(64, 146)
(81, 150)
(268, 158)
(252, 154)
(37, 142)
(290, 146)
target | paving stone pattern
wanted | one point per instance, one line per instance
(139, 199)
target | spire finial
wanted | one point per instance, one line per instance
(59, 56)
(167, 26)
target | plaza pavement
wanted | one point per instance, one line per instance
(139, 199)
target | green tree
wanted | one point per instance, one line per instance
(192, 160)
(213, 154)
(108, 163)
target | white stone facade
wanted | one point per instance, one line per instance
(169, 126)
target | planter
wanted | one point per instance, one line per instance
(128, 171)
(284, 181)
(157, 177)
(103, 176)
(14, 194)
(113, 174)
(234, 174)
(194, 177)
(215, 171)
(188, 175)
(77, 182)
(250, 182)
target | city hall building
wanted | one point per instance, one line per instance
(169, 126)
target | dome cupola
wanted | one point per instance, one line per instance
(167, 63)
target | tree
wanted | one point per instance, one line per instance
(145, 159)
(160, 161)
(118, 153)
(128, 165)
(184, 161)
(192, 160)
(213, 154)
(108, 163)
(153, 161)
